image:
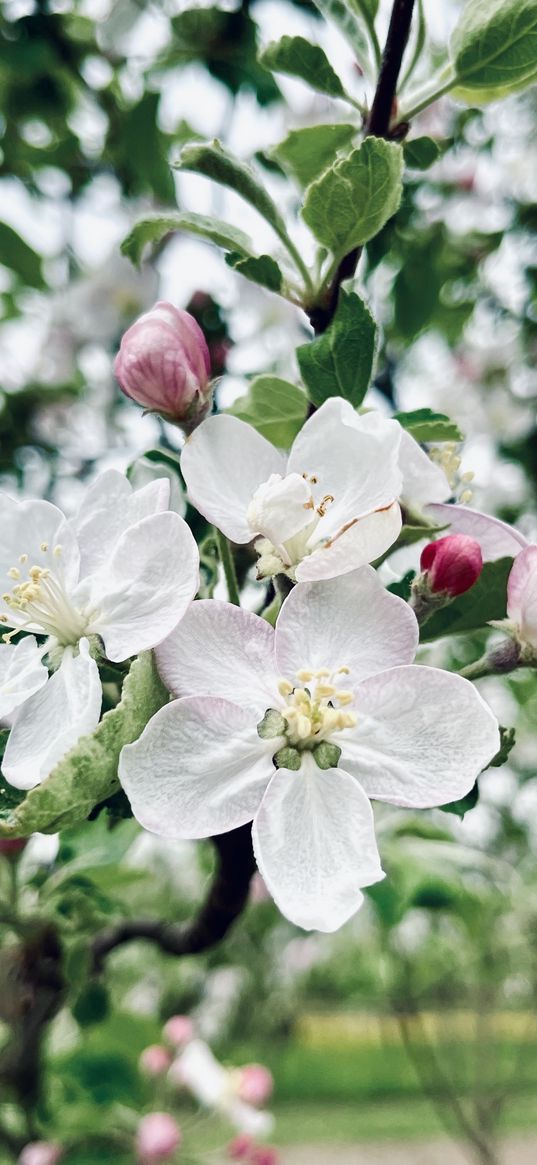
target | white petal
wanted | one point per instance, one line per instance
(199, 768)
(423, 481)
(27, 527)
(145, 589)
(221, 650)
(358, 468)
(110, 506)
(223, 463)
(522, 594)
(350, 621)
(314, 843)
(50, 723)
(280, 508)
(422, 738)
(364, 541)
(199, 1071)
(496, 538)
(22, 672)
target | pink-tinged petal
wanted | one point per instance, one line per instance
(221, 650)
(109, 507)
(199, 768)
(345, 457)
(223, 463)
(363, 541)
(350, 621)
(423, 481)
(314, 843)
(22, 673)
(52, 721)
(522, 594)
(496, 538)
(423, 736)
(140, 595)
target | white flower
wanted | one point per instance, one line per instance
(327, 508)
(333, 680)
(522, 599)
(124, 570)
(217, 1087)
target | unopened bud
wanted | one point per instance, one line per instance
(255, 1084)
(41, 1153)
(452, 564)
(240, 1148)
(157, 1138)
(179, 1030)
(163, 364)
(11, 847)
(155, 1060)
(264, 1155)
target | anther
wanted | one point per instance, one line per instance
(23, 558)
(44, 547)
(14, 572)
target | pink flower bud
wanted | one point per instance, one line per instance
(240, 1148)
(41, 1153)
(11, 847)
(255, 1084)
(179, 1030)
(157, 1138)
(163, 364)
(452, 564)
(264, 1155)
(155, 1060)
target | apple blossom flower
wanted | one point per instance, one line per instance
(522, 603)
(452, 564)
(154, 1060)
(122, 572)
(179, 1030)
(255, 1084)
(217, 1087)
(163, 364)
(264, 717)
(157, 1138)
(41, 1153)
(327, 508)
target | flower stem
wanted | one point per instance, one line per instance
(226, 558)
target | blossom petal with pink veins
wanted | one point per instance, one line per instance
(314, 843)
(358, 469)
(522, 594)
(423, 736)
(109, 507)
(31, 532)
(221, 650)
(363, 541)
(144, 590)
(199, 768)
(423, 481)
(223, 463)
(497, 539)
(51, 722)
(22, 672)
(348, 621)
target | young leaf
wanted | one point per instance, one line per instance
(305, 153)
(494, 44)
(153, 228)
(340, 362)
(420, 153)
(352, 201)
(484, 601)
(298, 57)
(350, 16)
(263, 270)
(88, 774)
(16, 254)
(426, 425)
(211, 160)
(275, 407)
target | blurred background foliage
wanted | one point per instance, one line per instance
(420, 1014)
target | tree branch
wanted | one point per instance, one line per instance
(225, 901)
(378, 126)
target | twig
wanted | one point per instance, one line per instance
(226, 899)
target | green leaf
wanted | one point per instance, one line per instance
(298, 57)
(507, 743)
(155, 227)
(19, 257)
(340, 362)
(88, 774)
(145, 149)
(305, 153)
(494, 45)
(263, 270)
(486, 600)
(275, 407)
(462, 807)
(350, 20)
(420, 153)
(351, 202)
(426, 425)
(211, 160)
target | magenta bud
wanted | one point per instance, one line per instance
(11, 847)
(155, 1060)
(41, 1153)
(163, 364)
(179, 1030)
(452, 564)
(264, 1155)
(157, 1138)
(255, 1084)
(240, 1148)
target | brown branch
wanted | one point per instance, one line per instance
(378, 126)
(225, 901)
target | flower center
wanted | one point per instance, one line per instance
(40, 601)
(284, 510)
(314, 713)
